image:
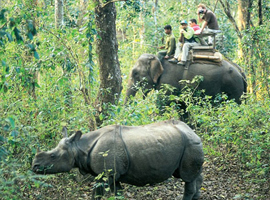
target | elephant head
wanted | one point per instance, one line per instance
(145, 73)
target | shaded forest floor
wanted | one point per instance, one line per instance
(221, 181)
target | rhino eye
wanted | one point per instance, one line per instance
(53, 155)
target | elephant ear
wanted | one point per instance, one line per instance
(156, 69)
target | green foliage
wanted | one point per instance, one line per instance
(256, 46)
(26, 122)
(234, 132)
(60, 66)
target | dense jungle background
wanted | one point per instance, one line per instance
(54, 59)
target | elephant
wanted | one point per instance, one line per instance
(151, 73)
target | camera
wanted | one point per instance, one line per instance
(201, 11)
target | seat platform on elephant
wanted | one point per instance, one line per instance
(212, 34)
(204, 54)
(203, 47)
(206, 34)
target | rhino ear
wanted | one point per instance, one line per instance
(64, 132)
(75, 137)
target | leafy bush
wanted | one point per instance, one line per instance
(235, 133)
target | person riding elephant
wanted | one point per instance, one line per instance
(193, 24)
(149, 73)
(186, 41)
(169, 47)
(210, 23)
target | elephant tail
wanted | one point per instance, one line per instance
(245, 81)
(243, 76)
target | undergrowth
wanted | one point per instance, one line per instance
(230, 132)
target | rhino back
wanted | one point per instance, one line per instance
(192, 137)
(154, 153)
(143, 154)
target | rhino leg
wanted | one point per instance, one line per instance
(199, 181)
(98, 191)
(190, 171)
(190, 190)
(116, 188)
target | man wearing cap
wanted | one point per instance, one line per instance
(186, 41)
(169, 44)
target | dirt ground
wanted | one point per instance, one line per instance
(221, 181)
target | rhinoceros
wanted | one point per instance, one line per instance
(138, 155)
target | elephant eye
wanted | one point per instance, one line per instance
(135, 73)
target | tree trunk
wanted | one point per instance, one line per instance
(142, 29)
(59, 13)
(107, 47)
(244, 23)
(244, 7)
(260, 12)
(242, 28)
(31, 27)
(155, 20)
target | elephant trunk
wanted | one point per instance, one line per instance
(131, 91)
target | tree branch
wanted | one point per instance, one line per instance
(102, 5)
(227, 11)
(3, 25)
(65, 44)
